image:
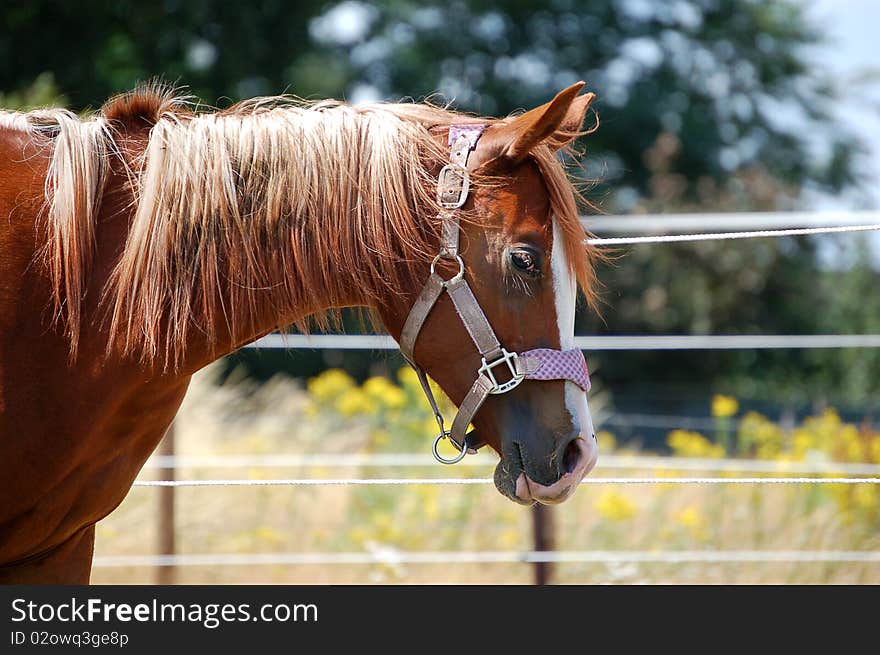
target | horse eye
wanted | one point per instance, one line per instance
(525, 261)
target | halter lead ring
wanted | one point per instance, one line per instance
(453, 186)
(446, 434)
(455, 278)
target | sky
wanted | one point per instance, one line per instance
(852, 52)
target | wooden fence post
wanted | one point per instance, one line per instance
(166, 575)
(542, 527)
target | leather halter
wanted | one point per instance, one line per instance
(453, 186)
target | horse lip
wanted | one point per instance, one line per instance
(527, 490)
(507, 472)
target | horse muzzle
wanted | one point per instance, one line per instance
(581, 455)
(517, 481)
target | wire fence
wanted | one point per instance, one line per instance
(653, 342)
(392, 556)
(647, 224)
(412, 460)
(728, 236)
(756, 226)
(336, 482)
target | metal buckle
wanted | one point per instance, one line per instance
(453, 185)
(508, 358)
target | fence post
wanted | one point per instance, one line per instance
(166, 575)
(542, 527)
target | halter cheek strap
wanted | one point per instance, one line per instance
(500, 370)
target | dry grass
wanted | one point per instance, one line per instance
(237, 418)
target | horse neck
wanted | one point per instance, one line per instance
(231, 333)
(248, 224)
(315, 267)
(293, 297)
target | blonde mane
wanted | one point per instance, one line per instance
(227, 205)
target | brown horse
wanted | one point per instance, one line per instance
(140, 244)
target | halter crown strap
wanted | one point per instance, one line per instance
(454, 183)
(452, 189)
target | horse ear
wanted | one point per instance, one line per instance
(557, 122)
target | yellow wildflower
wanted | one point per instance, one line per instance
(428, 425)
(865, 496)
(330, 384)
(685, 443)
(607, 442)
(851, 445)
(410, 383)
(691, 519)
(802, 442)
(265, 534)
(407, 376)
(354, 402)
(509, 539)
(874, 449)
(615, 506)
(430, 502)
(383, 391)
(724, 406)
(385, 529)
(381, 437)
(358, 536)
(758, 433)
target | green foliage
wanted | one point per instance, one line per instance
(849, 300)
(219, 48)
(706, 104)
(42, 92)
(716, 75)
(721, 76)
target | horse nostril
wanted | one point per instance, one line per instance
(571, 456)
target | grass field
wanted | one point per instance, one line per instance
(335, 416)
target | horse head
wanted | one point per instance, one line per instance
(517, 246)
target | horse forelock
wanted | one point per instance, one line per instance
(271, 204)
(566, 201)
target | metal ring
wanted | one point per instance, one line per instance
(457, 276)
(439, 457)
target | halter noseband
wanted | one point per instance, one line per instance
(453, 185)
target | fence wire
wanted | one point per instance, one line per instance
(316, 482)
(390, 556)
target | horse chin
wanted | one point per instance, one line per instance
(505, 482)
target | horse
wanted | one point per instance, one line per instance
(141, 243)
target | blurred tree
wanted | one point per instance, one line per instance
(218, 48)
(705, 104)
(42, 92)
(729, 80)
(850, 297)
